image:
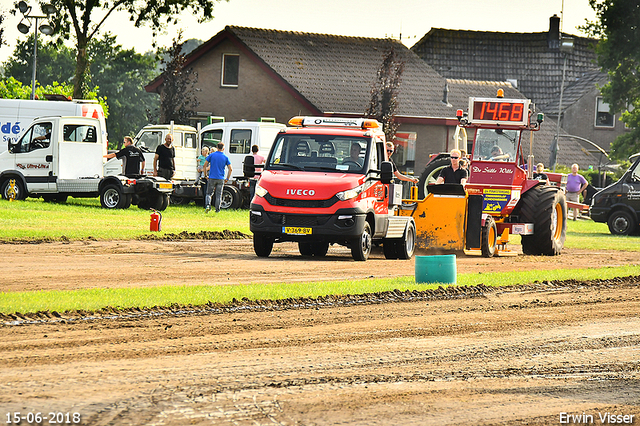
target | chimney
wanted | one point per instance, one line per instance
(553, 37)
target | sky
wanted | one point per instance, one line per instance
(408, 20)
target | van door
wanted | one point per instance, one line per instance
(34, 156)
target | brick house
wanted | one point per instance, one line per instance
(248, 73)
(534, 63)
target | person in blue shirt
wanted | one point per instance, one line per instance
(217, 161)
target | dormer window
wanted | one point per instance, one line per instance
(230, 67)
(603, 117)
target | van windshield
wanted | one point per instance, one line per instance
(319, 152)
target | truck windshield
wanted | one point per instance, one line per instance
(496, 145)
(319, 152)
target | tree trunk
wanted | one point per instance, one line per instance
(82, 71)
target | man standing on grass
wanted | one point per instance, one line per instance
(217, 161)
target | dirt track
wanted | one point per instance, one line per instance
(464, 357)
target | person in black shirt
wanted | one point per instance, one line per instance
(453, 173)
(539, 173)
(164, 163)
(132, 158)
(390, 150)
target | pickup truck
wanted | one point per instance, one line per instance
(61, 157)
(238, 138)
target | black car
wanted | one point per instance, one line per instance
(618, 205)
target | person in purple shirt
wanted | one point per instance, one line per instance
(575, 185)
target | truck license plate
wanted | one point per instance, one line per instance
(296, 230)
(165, 185)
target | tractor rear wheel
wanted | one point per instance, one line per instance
(489, 237)
(546, 208)
(430, 175)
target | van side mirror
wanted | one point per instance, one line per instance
(248, 167)
(386, 172)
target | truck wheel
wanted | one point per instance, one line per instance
(313, 249)
(430, 175)
(231, 198)
(361, 247)
(165, 202)
(21, 194)
(305, 248)
(262, 245)
(621, 223)
(112, 197)
(546, 208)
(55, 198)
(489, 237)
(179, 201)
(407, 244)
(321, 249)
(389, 248)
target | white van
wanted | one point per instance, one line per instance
(16, 115)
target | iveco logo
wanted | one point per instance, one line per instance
(307, 192)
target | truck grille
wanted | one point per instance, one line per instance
(298, 220)
(308, 204)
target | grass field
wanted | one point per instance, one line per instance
(85, 219)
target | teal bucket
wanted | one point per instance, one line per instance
(436, 269)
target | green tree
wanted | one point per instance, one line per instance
(177, 98)
(618, 51)
(118, 74)
(84, 18)
(55, 62)
(384, 93)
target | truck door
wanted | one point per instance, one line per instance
(380, 190)
(34, 157)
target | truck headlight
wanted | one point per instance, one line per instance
(349, 193)
(260, 191)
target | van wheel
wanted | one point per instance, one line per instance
(20, 193)
(489, 237)
(231, 197)
(361, 247)
(621, 223)
(262, 245)
(112, 197)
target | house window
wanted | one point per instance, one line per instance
(603, 117)
(230, 66)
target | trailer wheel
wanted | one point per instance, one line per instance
(621, 223)
(262, 245)
(112, 197)
(231, 198)
(546, 208)
(407, 244)
(21, 194)
(430, 175)
(361, 246)
(489, 237)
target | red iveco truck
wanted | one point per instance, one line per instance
(328, 181)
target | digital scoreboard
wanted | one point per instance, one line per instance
(507, 112)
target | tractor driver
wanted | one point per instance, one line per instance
(453, 173)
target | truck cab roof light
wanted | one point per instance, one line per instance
(500, 93)
(370, 124)
(296, 121)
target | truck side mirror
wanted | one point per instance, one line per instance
(386, 172)
(249, 168)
